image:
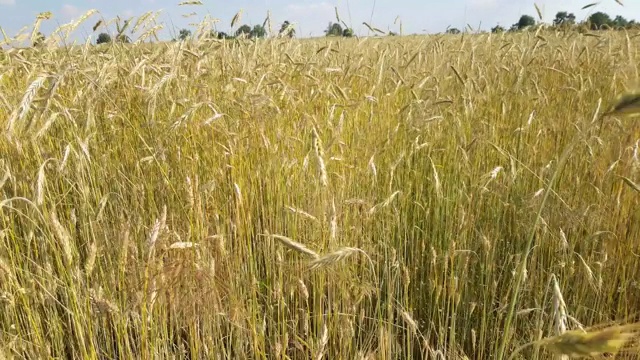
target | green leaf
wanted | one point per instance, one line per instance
(631, 184)
(373, 28)
(626, 104)
(538, 11)
(45, 15)
(590, 5)
(236, 18)
(97, 25)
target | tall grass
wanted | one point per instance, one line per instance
(327, 198)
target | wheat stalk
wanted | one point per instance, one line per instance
(91, 259)
(156, 230)
(291, 244)
(63, 237)
(333, 258)
(319, 151)
(26, 102)
(324, 340)
(303, 213)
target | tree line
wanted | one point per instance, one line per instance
(244, 31)
(258, 31)
(566, 20)
(563, 20)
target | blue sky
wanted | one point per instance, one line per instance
(310, 16)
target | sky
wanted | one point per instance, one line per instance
(311, 17)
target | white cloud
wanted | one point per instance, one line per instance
(7, 2)
(70, 11)
(128, 13)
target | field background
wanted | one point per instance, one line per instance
(325, 198)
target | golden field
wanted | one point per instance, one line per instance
(371, 198)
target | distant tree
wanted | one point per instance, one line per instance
(184, 34)
(287, 30)
(243, 31)
(453, 31)
(598, 20)
(122, 38)
(525, 21)
(348, 32)
(223, 35)
(334, 29)
(219, 35)
(564, 18)
(620, 22)
(497, 29)
(103, 38)
(38, 40)
(258, 31)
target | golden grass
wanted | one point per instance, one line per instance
(578, 343)
(426, 192)
(611, 341)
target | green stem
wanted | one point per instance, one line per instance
(523, 263)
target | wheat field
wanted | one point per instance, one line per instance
(415, 197)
